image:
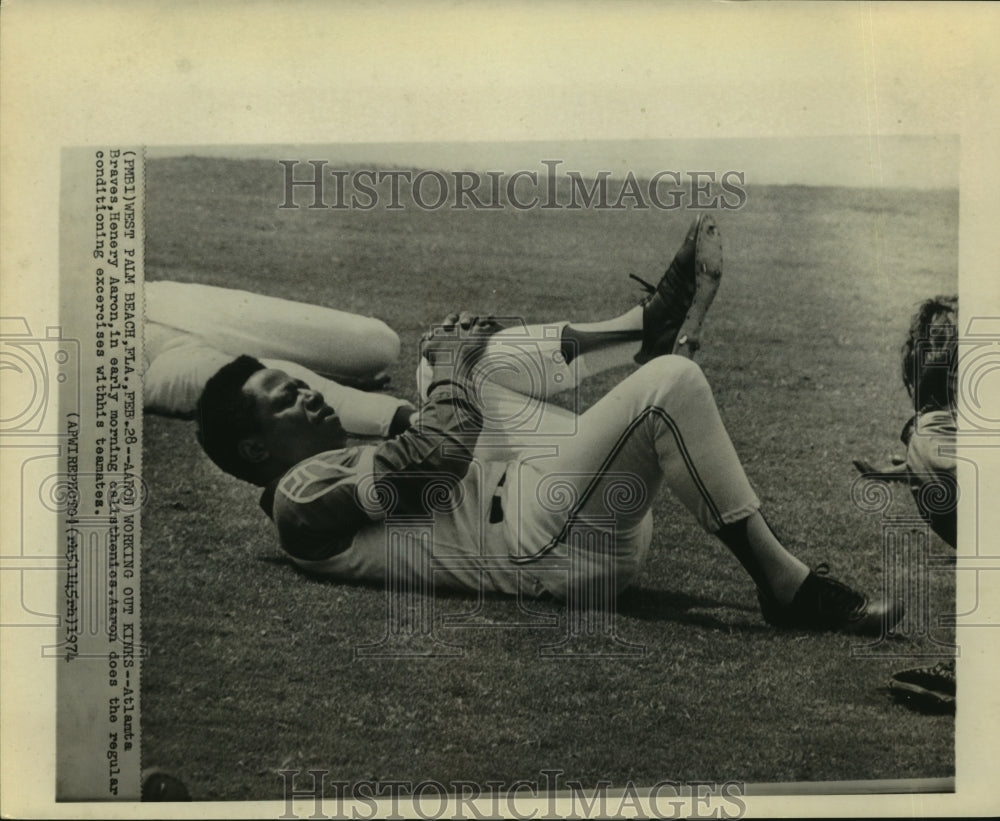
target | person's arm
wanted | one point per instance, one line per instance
(321, 503)
(437, 448)
(439, 444)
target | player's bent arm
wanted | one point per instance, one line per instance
(436, 448)
(321, 503)
(449, 418)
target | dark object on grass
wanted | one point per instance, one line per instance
(927, 689)
(160, 786)
(823, 603)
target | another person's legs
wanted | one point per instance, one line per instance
(331, 342)
(179, 365)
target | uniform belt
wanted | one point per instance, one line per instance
(496, 505)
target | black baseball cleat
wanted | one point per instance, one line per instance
(822, 603)
(158, 785)
(931, 689)
(675, 308)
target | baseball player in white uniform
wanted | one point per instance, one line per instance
(505, 497)
(192, 330)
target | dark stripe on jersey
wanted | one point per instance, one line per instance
(606, 464)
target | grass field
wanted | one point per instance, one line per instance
(251, 666)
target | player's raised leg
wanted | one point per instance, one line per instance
(661, 426)
(542, 360)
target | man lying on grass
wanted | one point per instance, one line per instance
(506, 477)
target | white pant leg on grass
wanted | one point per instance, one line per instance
(183, 349)
(327, 341)
(660, 426)
(176, 367)
(177, 373)
(659, 423)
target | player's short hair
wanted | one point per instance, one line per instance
(226, 416)
(930, 354)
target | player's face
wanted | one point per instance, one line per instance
(296, 422)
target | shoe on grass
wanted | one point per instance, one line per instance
(822, 603)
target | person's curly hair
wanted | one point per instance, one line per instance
(930, 354)
(226, 415)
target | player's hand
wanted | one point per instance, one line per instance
(457, 342)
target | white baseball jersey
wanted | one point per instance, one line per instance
(336, 512)
(435, 505)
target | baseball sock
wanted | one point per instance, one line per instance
(767, 561)
(590, 337)
(591, 348)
